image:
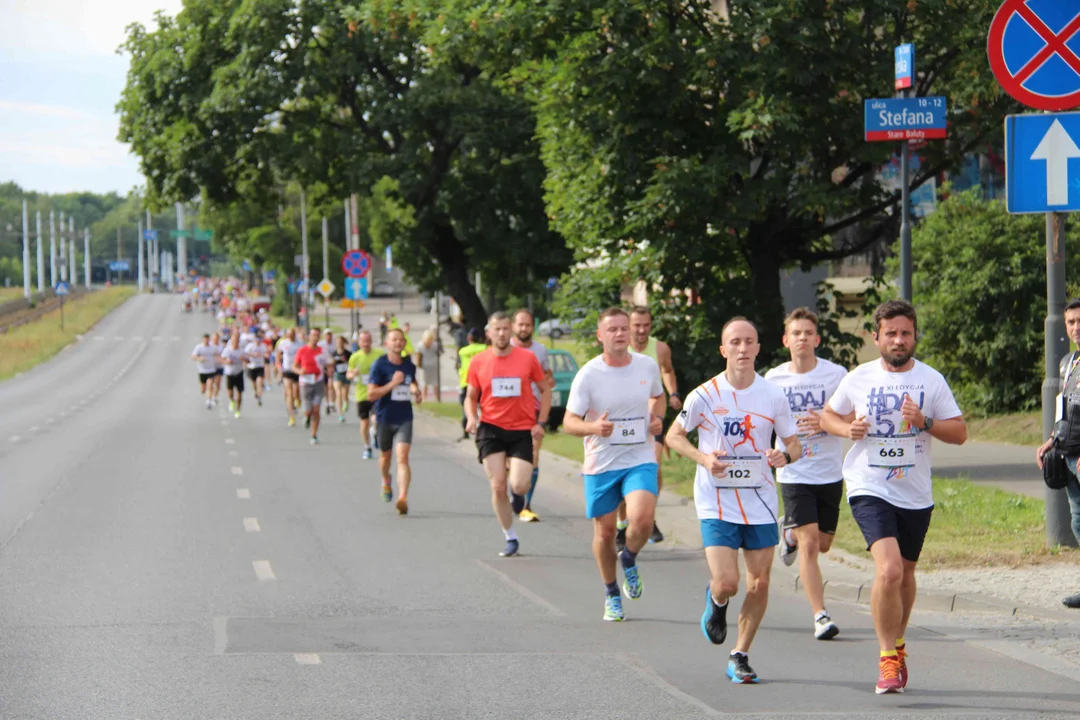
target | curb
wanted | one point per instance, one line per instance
(676, 516)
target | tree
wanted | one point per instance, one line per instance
(720, 147)
(978, 277)
(230, 96)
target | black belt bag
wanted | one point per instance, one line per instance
(1055, 470)
(1067, 431)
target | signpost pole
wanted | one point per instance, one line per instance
(86, 256)
(141, 245)
(40, 257)
(26, 251)
(905, 222)
(53, 278)
(326, 265)
(62, 311)
(307, 260)
(1058, 528)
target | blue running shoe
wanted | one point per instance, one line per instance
(367, 453)
(387, 494)
(613, 609)
(632, 586)
(714, 620)
(510, 550)
(739, 670)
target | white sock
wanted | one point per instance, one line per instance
(822, 614)
(510, 534)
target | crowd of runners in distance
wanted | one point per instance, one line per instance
(758, 438)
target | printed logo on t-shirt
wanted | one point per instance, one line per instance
(883, 405)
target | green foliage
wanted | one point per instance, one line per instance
(11, 271)
(838, 345)
(979, 279)
(281, 305)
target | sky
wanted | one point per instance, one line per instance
(60, 80)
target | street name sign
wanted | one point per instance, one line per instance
(918, 118)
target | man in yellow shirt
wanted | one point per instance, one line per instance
(360, 363)
(465, 356)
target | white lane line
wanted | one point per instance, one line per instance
(307, 659)
(263, 571)
(237, 470)
(118, 337)
(156, 338)
(137, 338)
(63, 413)
(229, 441)
(99, 337)
(50, 421)
(252, 525)
(15, 438)
(523, 590)
(224, 422)
(35, 428)
(243, 494)
(233, 453)
(176, 338)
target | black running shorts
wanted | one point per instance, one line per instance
(363, 409)
(492, 439)
(235, 382)
(806, 504)
(879, 519)
(255, 373)
(290, 375)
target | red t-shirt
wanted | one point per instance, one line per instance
(308, 359)
(506, 398)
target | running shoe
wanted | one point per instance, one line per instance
(510, 550)
(901, 655)
(236, 414)
(258, 399)
(657, 536)
(714, 620)
(517, 502)
(215, 402)
(528, 515)
(329, 409)
(314, 441)
(292, 422)
(824, 627)
(232, 406)
(341, 419)
(307, 422)
(787, 552)
(209, 405)
(739, 670)
(613, 609)
(387, 494)
(632, 584)
(620, 539)
(402, 506)
(367, 453)
(889, 676)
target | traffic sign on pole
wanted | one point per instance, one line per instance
(904, 60)
(356, 288)
(356, 263)
(120, 266)
(1040, 151)
(62, 288)
(150, 235)
(1030, 46)
(917, 118)
(325, 288)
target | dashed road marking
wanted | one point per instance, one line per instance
(263, 571)
(15, 438)
(229, 441)
(99, 337)
(233, 453)
(137, 338)
(118, 337)
(252, 525)
(176, 338)
(35, 428)
(50, 421)
(224, 422)
(243, 494)
(156, 338)
(307, 659)
(237, 470)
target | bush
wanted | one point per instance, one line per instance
(280, 305)
(979, 282)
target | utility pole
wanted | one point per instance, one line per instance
(72, 272)
(307, 260)
(86, 255)
(26, 251)
(181, 242)
(53, 279)
(63, 250)
(40, 257)
(326, 266)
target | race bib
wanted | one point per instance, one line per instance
(401, 393)
(309, 378)
(505, 387)
(891, 452)
(628, 431)
(744, 471)
(341, 367)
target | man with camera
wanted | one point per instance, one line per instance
(1060, 467)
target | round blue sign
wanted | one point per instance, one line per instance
(356, 263)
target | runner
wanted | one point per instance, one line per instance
(219, 370)
(256, 352)
(523, 338)
(891, 407)
(233, 358)
(340, 359)
(496, 378)
(359, 371)
(813, 488)
(465, 357)
(327, 346)
(735, 415)
(642, 341)
(285, 353)
(392, 386)
(310, 365)
(617, 404)
(205, 355)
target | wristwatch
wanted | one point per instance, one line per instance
(929, 424)
(787, 457)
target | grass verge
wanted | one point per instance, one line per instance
(28, 345)
(973, 525)
(1012, 429)
(288, 321)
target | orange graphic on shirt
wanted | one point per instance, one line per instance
(747, 426)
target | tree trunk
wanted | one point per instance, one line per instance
(765, 281)
(451, 255)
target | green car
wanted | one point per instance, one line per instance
(564, 367)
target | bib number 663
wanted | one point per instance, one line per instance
(894, 452)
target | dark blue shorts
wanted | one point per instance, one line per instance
(721, 533)
(879, 519)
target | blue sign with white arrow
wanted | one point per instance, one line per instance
(356, 289)
(1042, 163)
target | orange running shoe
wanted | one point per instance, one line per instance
(901, 655)
(889, 676)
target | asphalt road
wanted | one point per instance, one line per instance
(164, 561)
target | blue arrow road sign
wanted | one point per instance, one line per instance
(904, 57)
(1042, 163)
(356, 289)
(150, 235)
(62, 288)
(917, 118)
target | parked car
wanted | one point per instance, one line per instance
(564, 367)
(382, 288)
(555, 328)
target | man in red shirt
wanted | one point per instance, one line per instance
(310, 365)
(501, 377)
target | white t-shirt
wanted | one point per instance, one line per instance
(246, 337)
(288, 350)
(541, 353)
(207, 355)
(624, 394)
(234, 360)
(740, 423)
(254, 351)
(822, 454)
(893, 461)
(217, 355)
